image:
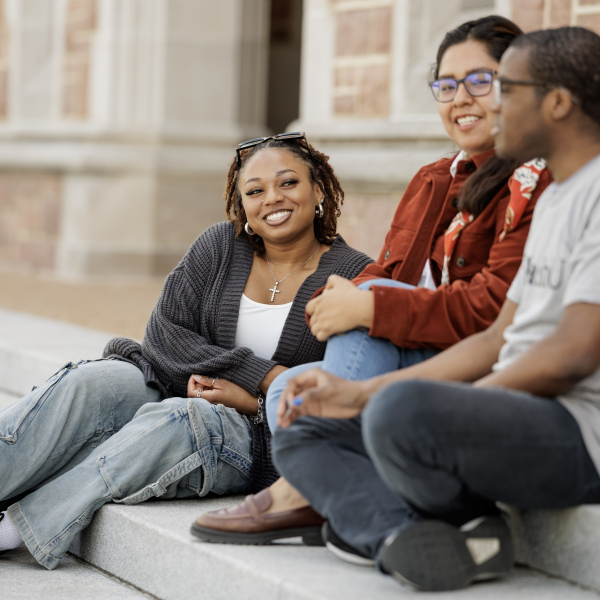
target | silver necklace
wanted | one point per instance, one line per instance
(274, 289)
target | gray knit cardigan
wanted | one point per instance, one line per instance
(192, 327)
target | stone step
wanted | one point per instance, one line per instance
(150, 547)
(563, 543)
(33, 348)
(23, 579)
(6, 398)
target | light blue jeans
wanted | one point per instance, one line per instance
(95, 433)
(353, 355)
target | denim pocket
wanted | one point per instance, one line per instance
(15, 419)
(158, 488)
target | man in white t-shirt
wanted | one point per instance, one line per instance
(526, 431)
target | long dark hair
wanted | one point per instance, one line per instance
(321, 172)
(496, 33)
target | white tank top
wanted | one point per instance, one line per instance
(259, 326)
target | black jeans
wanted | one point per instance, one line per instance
(443, 449)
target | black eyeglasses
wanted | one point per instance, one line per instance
(498, 83)
(476, 84)
(293, 135)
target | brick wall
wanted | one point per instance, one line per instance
(363, 38)
(80, 24)
(542, 14)
(366, 220)
(4, 39)
(29, 219)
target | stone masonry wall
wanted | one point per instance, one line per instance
(4, 40)
(30, 208)
(543, 14)
(80, 23)
(363, 39)
(366, 220)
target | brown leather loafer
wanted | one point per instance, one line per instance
(247, 523)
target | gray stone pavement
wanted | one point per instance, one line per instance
(33, 348)
(6, 399)
(21, 578)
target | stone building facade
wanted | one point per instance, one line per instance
(118, 118)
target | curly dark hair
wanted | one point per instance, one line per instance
(321, 173)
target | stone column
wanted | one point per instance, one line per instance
(130, 111)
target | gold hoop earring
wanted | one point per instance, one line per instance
(249, 229)
(319, 212)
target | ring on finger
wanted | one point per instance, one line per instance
(213, 382)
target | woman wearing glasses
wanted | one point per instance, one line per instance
(230, 318)
(455, 245)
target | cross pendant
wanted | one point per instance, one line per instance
(274, 290)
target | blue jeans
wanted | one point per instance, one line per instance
(95, 433)
(433, 449)
(352, 355)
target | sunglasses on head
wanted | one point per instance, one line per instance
(293, 135)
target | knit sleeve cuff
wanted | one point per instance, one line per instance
(250, 373)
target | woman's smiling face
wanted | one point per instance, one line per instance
(278, 195)
(468, 119)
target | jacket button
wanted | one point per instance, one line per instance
(460, 261)
(387, 255)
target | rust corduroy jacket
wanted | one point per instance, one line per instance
(481, 269)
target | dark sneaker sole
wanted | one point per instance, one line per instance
(435, 556)
(311, 536)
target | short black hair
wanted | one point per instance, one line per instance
(567, 57)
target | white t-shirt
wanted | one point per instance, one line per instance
(561, 266)
(427, 280)
(259, 326)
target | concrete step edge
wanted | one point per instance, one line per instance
(560, 543)
(563, 543)
(150, 547)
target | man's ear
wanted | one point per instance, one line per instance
(559, 103)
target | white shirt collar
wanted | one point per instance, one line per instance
(462, 155)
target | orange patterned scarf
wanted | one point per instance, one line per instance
(521, 186)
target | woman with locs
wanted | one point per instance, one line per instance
(454, 247)
(182, 414)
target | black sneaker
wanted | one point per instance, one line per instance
(338, 547)
(436, 556)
